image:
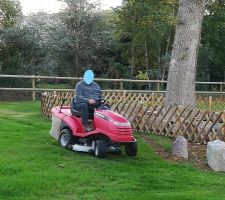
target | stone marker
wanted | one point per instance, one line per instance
(180, 147)
(216, 155)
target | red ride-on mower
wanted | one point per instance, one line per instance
(110, 131)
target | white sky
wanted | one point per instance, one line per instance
(32, 6)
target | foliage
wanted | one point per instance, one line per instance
(33, 167)
(145, 27)
(119, 43)
(27, 44)
(78, 37)
(9, 11)
(142, 75)
(211, 58)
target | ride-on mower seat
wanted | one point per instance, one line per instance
(77, 113)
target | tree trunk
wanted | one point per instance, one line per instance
(76, 57)
(132, 60)
(182, 70)
(168, 45)
(221, 2)
(146, 59)
(166, 55)
(76, 60)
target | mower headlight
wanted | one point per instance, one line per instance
(102, 116)
(126, 124)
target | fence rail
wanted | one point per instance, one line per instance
(158, 83)
(147, 114)
(99, 79)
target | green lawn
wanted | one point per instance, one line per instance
(33, 166)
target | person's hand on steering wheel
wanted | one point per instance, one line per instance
(103, 101)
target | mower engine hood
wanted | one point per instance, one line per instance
(113, 117)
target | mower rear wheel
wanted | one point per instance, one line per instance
(131, 149)
(100, 149)
(65, 138)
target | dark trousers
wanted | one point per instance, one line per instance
(86, 110)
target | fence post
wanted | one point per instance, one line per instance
(223, 119)
(121, 84)
(124, 96)
(153, 99)
(33, 87)
(210, 103)
(158, 86)
(221, 86)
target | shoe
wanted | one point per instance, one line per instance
(87, 128)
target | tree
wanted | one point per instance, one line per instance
(9, 11)
(44, 44)
(146, 29)
(28, 43)
(182, 70)
(84, 39)
(211, 65)
(79, 28)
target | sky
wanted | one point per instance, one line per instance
(51, 6)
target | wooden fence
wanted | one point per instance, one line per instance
(195, 125)
(147, 114)
(160, 85)
(209, 103)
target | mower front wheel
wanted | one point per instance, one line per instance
(100, 149)
(131, 149)
(65, 138)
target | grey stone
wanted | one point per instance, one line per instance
(180, 147)
(216, 155)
